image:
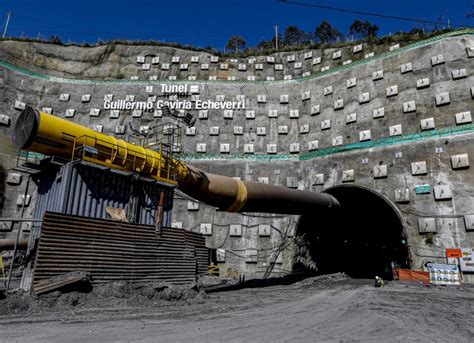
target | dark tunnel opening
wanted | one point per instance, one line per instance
(363, 238)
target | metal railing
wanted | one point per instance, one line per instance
(125, 158)
(25, 158)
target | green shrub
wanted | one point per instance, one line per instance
(429, 239)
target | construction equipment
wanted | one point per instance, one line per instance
(49, 135)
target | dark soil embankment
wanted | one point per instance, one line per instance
(114, 294)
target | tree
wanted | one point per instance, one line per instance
(325, 33)
(236, 43)
(270, 44)
(372, 30)
(357, 28)
(296, 36)
(363, 29)
(55, 40)
(417, 31)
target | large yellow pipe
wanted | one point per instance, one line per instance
(53, 136)
(49, 135)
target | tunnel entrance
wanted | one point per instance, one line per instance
(363, 238)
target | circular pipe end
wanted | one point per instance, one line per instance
(26, 128)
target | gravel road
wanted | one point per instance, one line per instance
(308, 311)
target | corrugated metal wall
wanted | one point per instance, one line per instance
(82, 189)
(112, 251)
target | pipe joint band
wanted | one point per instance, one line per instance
(240, 199)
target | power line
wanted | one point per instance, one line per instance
(370, 14)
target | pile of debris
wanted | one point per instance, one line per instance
(323, 279)
(73, 281)
(76, 290)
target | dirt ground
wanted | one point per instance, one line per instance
(333, 308)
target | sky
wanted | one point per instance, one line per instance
(210, 23)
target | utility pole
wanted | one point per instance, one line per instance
(276, 37)
(6, 24)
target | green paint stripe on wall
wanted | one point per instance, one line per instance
(379, 143)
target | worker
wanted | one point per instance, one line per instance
(378, 282)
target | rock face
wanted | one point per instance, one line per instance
(148, 62)
(391, 124)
